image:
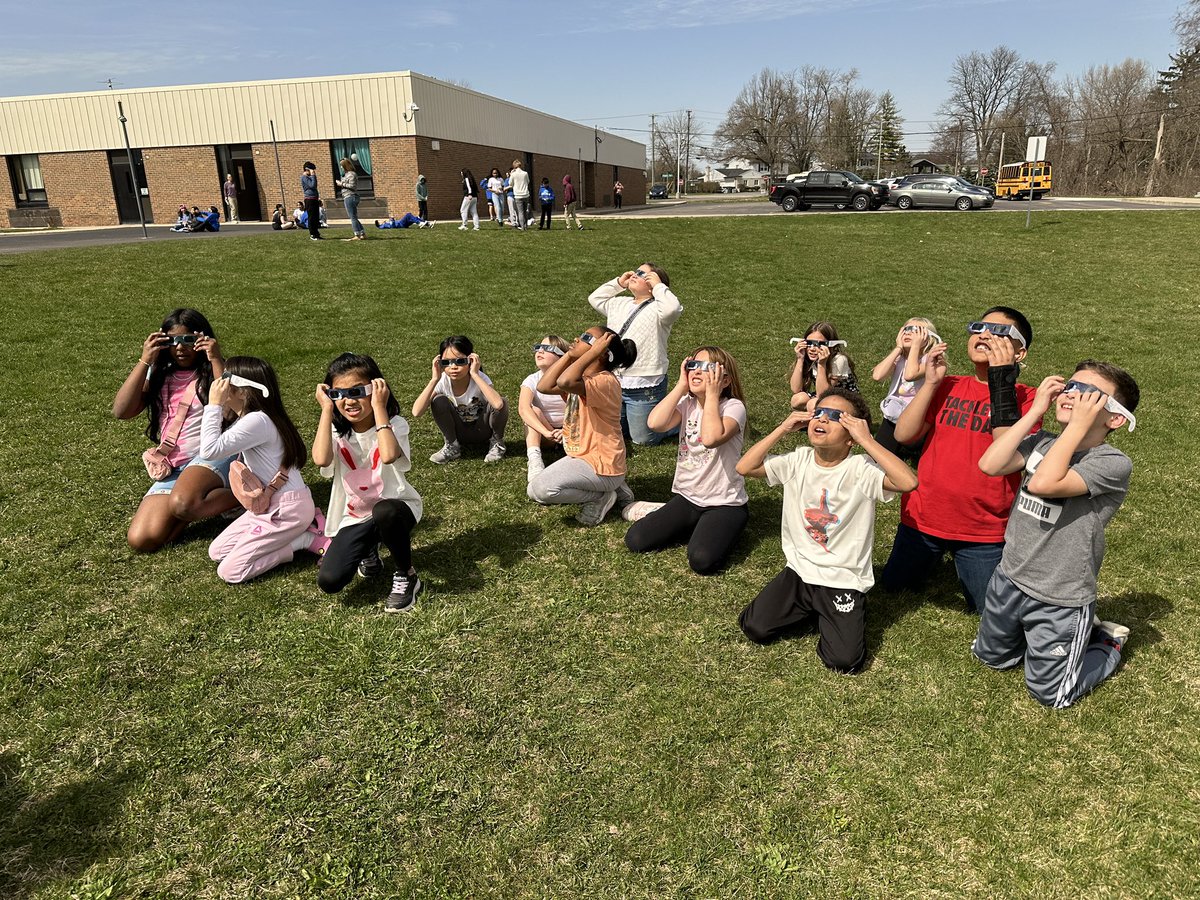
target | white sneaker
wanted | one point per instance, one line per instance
(462, 227)
(537, 465)
(593, 513)
(1111, 632)
(495, 452)
(639, 509)
(448, 453)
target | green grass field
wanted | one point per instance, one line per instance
(558, 718)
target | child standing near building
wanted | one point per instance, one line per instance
(829, 498)
(542, 413)
(273, 451)
(546, 197)
(362, 444)
(957, 509)
(1041, 601)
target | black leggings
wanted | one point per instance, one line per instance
(710, 531)
(391, 522)
(547, 212)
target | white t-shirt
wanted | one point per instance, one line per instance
(496, 185)
(707, 476)
(470, 404)
(361, 447)
(900, 392)
(255, 437)
(828, 528)
(554, 406)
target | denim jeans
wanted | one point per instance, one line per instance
(914, 554)
(351, 203)
(636, 405)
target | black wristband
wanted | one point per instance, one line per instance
(1002, 385)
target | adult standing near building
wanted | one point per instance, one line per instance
(569, 201)
(349, 185)
(312, 201)
(422, 199)
(519, 179)
(618, 190)
(230, 191)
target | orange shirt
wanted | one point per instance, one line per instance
(592, 425)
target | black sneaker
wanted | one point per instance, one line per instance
(371, 565)
(405, 591)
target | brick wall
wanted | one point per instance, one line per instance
(8, 199)
(181, 176)
(394, 169)
(292, 157)
(80, 185)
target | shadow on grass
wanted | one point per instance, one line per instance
(44, 839)
(455, 562)
(1138, 610)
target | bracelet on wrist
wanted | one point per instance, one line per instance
(383, 426)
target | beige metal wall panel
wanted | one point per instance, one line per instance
(457, 113)
(304, 109)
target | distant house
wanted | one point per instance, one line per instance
(737, 174)
(926, 167)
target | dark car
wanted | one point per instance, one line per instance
(658, 192)
(835, 188)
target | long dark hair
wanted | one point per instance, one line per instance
(165, 365)
(459, 342)
(622, 350)
(294, 452)
(829, 331)
(365, 367)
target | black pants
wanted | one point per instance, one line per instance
(787, 605)
(886, 435)
(423, 209)
(312, 206)
(617, 200)
(391, 522)
(710, 532)
(547, 211)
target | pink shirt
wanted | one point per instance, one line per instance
(707, 476)
(173, 388)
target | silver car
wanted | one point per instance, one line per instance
(941, 194)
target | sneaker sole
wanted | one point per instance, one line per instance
(400, 609)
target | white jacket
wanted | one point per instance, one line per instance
(649, 331)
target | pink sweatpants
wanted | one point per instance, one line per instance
(254, 544)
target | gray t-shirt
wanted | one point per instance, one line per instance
(1053, 547)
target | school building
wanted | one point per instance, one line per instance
(65, 158)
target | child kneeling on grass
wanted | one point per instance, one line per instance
(362, 444)
(1041, 600)
(828, 530)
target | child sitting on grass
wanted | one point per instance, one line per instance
(542, 413)
(1041, 601)
(829, 498)
(466, 408)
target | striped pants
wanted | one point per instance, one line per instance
(1062, 661)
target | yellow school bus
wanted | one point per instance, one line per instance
(1017, 178)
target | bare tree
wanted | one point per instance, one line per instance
(1114, 102)
(814, 90)
(849, 117)
(986, 88)
(758, 121)
(676, 140)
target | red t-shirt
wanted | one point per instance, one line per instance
(954, 500)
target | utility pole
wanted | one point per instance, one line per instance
(1000, 161)
(958, 146)
(688, 152)
(653, 170)
(678, 160)
(133, 173)
(1162, 123)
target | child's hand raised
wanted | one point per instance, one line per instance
(437, 367)
(474, 363)
(1087, 408)
(152, 346)
(218, 392)
(379, 397)
(856, 428)
(652, 279)
(796, 421)
(1050, 388)
(935, 370)
(323, 400)
(1000, 351)
(623, 280)
(209, 347)
(900, 338)
(713, 380)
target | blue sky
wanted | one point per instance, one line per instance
(607, 68)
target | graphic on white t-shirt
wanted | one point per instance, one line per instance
(820, 520)
(692, 453)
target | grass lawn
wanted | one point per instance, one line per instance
(559, 718)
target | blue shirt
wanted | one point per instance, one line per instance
(309, 184)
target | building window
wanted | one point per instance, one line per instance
(26, 176)
(358, 151)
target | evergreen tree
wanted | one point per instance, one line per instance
(886, 130)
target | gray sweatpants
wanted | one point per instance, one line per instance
(571, 480)
(487, 428)
(1062, 662)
